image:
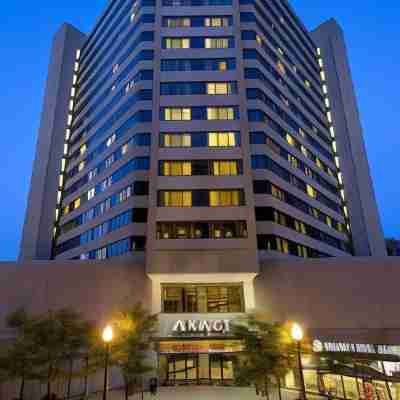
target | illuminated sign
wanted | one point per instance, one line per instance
(206, 326)
(361, 348)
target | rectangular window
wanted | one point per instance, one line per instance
(176, 199)
(225, 168)
(220, 113)
(176, 140)
(220, 88)
(225, 198)
(176, 168)
(177, 114)
(216, 22)
(222, 139)
(177, 43)
(177, 22)
(311, 192)
(217, 43)
(203, 299)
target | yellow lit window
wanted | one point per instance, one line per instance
(177, 43)
(77, 203)
(307, 83)
(177, 199)
(222, 65)
(66, 210)
(221, 139)
(281, 68)
(216, 22)
(224, 198)
(220, 113)
(177, 114)
(329, 221)
(177, 140)
(302, 251)
(300, 227)
(282, 245)
(311, 192)
(216, 43)
(218, 88)
(81, 165)
(293, 161)
(318, 162)
(83, 149)
(177, 168)
(290, 139)
(225, 168)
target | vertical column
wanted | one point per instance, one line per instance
(40, 215)
(368, 239)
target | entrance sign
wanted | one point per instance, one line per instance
(360, 348)
(208, 326)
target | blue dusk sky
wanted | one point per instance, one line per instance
(26, 30)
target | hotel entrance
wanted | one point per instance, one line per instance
(197, 362)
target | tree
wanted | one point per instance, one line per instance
(135, 329)
(268, 353)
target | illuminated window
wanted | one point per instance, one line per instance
(219, 88)
(221, 139)
(81, 166)
(307, 83)
(281, 68)
(216, 22)
(177, 43)
(83, 149)
(177, 140)
(318, 162)
(77, 203)
(176, 199)
(279, 194)
(217, 43)
(91, 193)
(300, 227)
(282, 245)
(293, 161)
(328, 221)
(225, 168)
(311, 192)
(302, 251)
(177, 168)
(178, 23)
(290, 139)
(222, 65)
(224, 198)
(177, 114)
(304, 151)
(220, 113)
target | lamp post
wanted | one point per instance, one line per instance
(297, 336)
(107, 338)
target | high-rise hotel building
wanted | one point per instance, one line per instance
(218, 131)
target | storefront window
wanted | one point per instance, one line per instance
(350, 387)
(203, 299)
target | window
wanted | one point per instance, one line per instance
(177, 43)
(177, 114)
(217, 43)
(216, 22)
(202, 299)
(311, 192)
(220, 113)
(300, 227)
(225, 168)
(225, 198)
(282, 245)
(177, 22)
(279, 194)
(221, 88)
(176, 199)
(176, 140)
(176, 168)
(290, 139)
(222, 139)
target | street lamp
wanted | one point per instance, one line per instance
(107, 338)
(297, 336)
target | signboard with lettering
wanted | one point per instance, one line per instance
(202, 326)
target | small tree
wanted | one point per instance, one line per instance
(135, 329)
(268, 352)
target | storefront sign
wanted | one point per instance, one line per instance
(207, 326)
(200, 346)
(360, 348)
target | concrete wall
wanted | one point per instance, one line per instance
(40, 214)
(364, 217)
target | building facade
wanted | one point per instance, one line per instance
(213, 125)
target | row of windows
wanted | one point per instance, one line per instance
(264, 162)
(201, 198)
(201, 167)
(135, 164)
(195, 3)
(266, 187)
(269, 214)
(202, 299)
(293, 73)
(257, 94)
(200, 139)
(309, 65)
(298, 164)
(93, 44)
(103, 165)
(198, 21)
(137, 140)
(279, 73)
(198, 88)
(221, 113)
(263, 138)
(131, 216)
(90, 85)
(272, 242)
(139, 188)
(198, 42)
(202, 230)
(198, 64)
(253, 73)
(255, 115)
(139, 117)
(124, 246)
(83, 115)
